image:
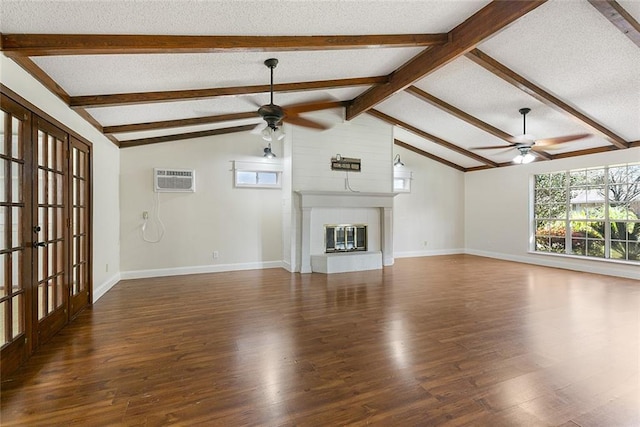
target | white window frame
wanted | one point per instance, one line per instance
(568, 220)
(258, 168)
(403, 177)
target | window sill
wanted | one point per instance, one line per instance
(586, 258)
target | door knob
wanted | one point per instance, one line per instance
(41, 244)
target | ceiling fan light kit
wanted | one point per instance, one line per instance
(272, 133)
(524, 157)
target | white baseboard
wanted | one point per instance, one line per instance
(101, 289)
(199, 269)
(583, 265)
(287, 266)
(413, 254)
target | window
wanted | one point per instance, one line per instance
(244, 178)
(401, 180)
(589, 212)
(257, 175)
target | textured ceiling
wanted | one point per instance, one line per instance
(565, 47)
(102, 74)
(235, 17)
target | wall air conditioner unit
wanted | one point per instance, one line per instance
(174, 180)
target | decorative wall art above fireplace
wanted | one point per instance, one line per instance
(348, 164)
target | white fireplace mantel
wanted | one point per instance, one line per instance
(309, 200)
(345, 199)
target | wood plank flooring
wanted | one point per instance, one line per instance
(449, 340)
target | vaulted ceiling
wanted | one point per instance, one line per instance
(450, 76)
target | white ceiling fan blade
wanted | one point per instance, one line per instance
(258, 129)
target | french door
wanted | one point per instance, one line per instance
(16, 293)
(50, 231)
(79, 230)
(44, 231)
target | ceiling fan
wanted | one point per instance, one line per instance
(275, 115)
(526, 144)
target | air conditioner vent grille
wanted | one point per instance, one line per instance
(174, 180)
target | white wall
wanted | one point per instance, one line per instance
(106, 165)
(365, 137)
(243, 224)
(497, 212)
(433, 212)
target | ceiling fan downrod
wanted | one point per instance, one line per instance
(271, 113)
(271, 63)
(524, 112)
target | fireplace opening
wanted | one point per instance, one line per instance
(345, 238)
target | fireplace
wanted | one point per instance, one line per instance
(318, 209)
(345, 238)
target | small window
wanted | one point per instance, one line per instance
(257, 175)
(401, 181)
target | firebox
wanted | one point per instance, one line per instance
(345, 238)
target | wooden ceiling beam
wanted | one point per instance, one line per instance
(543, 96)
(36, 72)
(619, 17)
(181, 136)
(393, 121)
(89, 101)
(468, 118)
(167, 124)
(122, 44)
(466, 36)
(585, 152)
(428, 155)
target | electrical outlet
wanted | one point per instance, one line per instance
(145, 215)
(106, 269)
(425, 243)
(216, 254)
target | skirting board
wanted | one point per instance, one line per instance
(436, 252)
(100, 290)
(198, 269)
(596, 267)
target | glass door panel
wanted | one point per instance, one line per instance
(80, 269)
(52, 295)
(15, 217)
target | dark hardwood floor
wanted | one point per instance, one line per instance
(455, 340)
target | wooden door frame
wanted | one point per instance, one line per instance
(18, 351)
(36, 113)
